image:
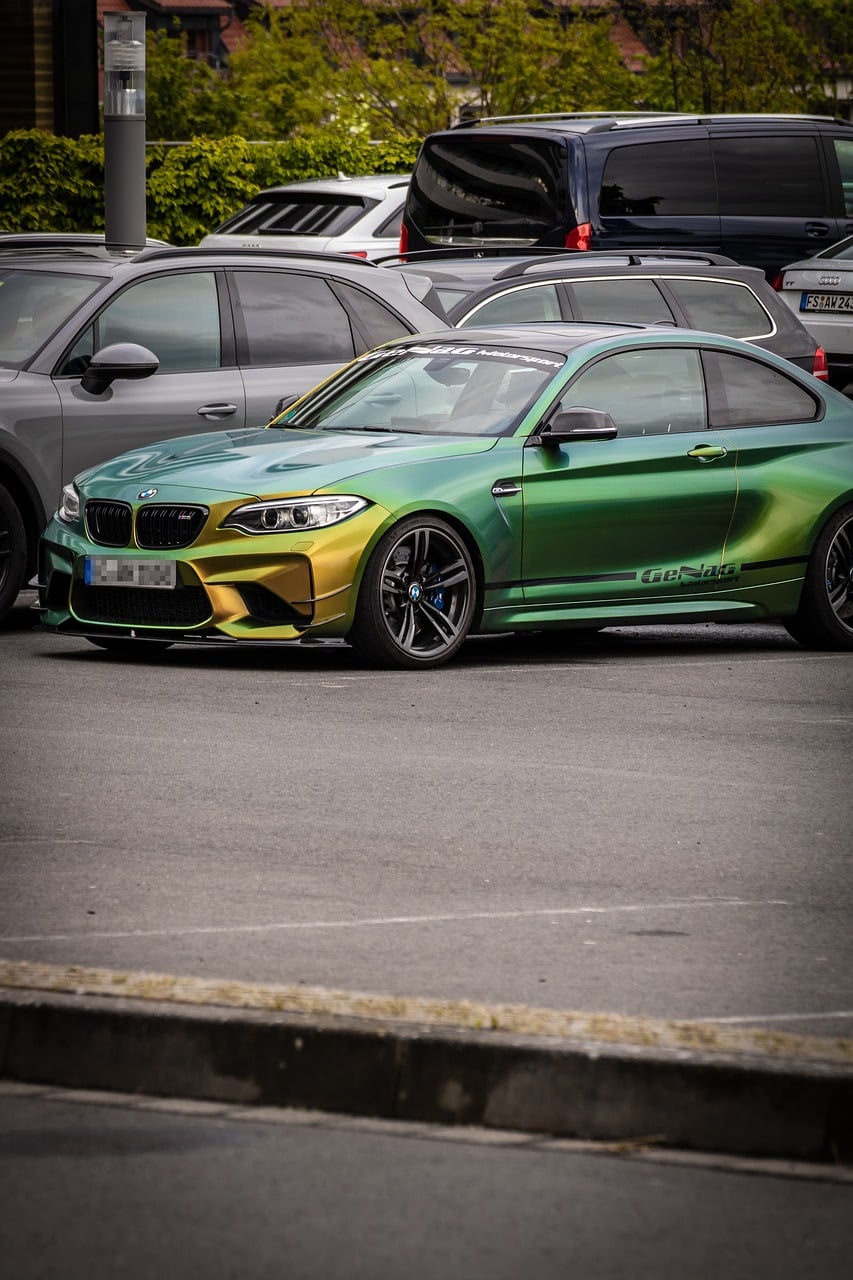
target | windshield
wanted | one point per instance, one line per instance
(431, 388)
(33, 304)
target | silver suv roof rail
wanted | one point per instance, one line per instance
(222, 251)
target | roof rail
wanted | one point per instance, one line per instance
(218, 251)
(545, 116)
(622, 257)
(639, 119)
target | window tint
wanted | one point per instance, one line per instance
(655, 178)
(748, 393)
(620, 300)
(723, 307)
(175, 316)
(290, 318)
(518, 306)
(297, 215)
(391, 225)
(32, 307)
(377, 322)
(470, 188)
(649, 392)
(769, 177)
(844, 156)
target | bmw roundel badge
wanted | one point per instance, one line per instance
(147, 493)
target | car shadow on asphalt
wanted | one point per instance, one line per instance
(336, 657)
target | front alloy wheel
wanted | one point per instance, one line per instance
(824, 619)
(417, 597)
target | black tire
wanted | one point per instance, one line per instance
(130, 648)
(13, 551)
(824, 619)
(418, 596)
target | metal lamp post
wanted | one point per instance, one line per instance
(124, 130)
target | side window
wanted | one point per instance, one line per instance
(649, 392)
(621, 300)
(769, 177)
(844, 156)
(747, 393)
(289, 318)
(518, 306)
(372, 317)
(391, 225)
(652, 178)
(723, 306)
(175, 316)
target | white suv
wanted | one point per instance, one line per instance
(359, 216)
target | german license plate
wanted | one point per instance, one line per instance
(826, 302)
(119, 571)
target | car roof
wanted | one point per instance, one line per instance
(371, 184)
(92, 259)
(482, 270)
(562, 336)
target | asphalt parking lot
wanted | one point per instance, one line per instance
(653, 823)
(544, 955)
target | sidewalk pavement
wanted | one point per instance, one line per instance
(599, 1077)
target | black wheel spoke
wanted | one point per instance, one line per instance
(426, 595)
(839, 573)
(443, 626)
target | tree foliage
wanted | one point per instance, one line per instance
(386, 68)
(744, 55)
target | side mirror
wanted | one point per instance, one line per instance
(576, 424)
(119, 360)
(284, 403)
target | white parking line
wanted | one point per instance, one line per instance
(774, 1017)
(373, 922)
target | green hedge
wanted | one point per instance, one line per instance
(57, 184)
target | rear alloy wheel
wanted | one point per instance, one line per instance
(824, 619)
(417, 597)
(13, 551)
(130, 648)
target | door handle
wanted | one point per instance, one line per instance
(216, 410)
(707, 452)
(817, 229)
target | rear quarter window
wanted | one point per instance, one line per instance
(723, 307)
(747, 393)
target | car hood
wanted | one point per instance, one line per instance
(268, 461)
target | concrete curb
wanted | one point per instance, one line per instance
(636, 1082)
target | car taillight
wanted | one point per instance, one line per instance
(404, 240)
(820, 368)
(580, 237)
(777, 283)
(356, 253)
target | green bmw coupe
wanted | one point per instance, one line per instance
(550, 476)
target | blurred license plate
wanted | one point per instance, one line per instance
(826, 302)
(116, 571)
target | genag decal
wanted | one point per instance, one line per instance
(693, 574)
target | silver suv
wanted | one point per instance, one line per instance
(359, 216)
(102, 352)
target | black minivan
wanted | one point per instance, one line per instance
(763, 189)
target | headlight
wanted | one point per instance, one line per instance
(69, 504)
(287, 515)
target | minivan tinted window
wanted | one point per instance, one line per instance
(769, 177)
(658, 178)
(471, 188)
